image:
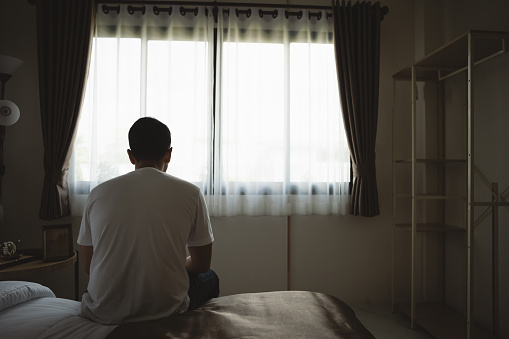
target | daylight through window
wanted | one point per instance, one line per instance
(252, 104)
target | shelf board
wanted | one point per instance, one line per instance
(431, 196)
(431, 227)
(430, 161)
(453, 57)
(439, 197)
(442, 322)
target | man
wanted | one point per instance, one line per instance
(134, 233)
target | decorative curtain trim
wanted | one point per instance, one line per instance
(65, 29)
(357, 49)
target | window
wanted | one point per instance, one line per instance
(252, 104)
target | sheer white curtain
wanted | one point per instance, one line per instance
(257, 125)
(145, 64)
(281, 145)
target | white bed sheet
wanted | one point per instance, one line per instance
(51, 318)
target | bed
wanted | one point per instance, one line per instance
(30, 310)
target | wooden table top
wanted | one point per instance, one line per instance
(37, 266)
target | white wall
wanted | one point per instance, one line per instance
(349, 257)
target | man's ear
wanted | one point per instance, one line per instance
(167, 157)
(131, 157)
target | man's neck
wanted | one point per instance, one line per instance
(146, 163)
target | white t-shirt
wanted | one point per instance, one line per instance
(139, 225)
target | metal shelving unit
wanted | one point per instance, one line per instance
(421, 203)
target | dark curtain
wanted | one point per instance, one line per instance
(357, 49)
(64, 34)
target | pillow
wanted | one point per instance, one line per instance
(17, 292)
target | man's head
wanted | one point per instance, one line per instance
(149, 140)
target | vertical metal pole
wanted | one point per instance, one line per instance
(414, 225)
(441, 175)
(470, 176)
(288, 253)
(494, 260)
(393, 283)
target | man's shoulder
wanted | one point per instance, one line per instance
(116, 179)
(111, 183)
(184, 184)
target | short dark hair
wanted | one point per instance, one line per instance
(149, 139)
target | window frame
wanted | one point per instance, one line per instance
(285, 187)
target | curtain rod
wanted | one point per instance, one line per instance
(209, 3)
(385, 9)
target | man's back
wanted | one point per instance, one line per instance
(138, 225)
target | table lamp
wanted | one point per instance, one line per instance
(9, 112)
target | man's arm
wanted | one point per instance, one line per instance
(86, 257)
(199, 259)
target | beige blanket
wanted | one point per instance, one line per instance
(286, 314)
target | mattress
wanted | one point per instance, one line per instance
(29, 311)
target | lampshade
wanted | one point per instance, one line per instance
(9, 65)
(9, 113)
